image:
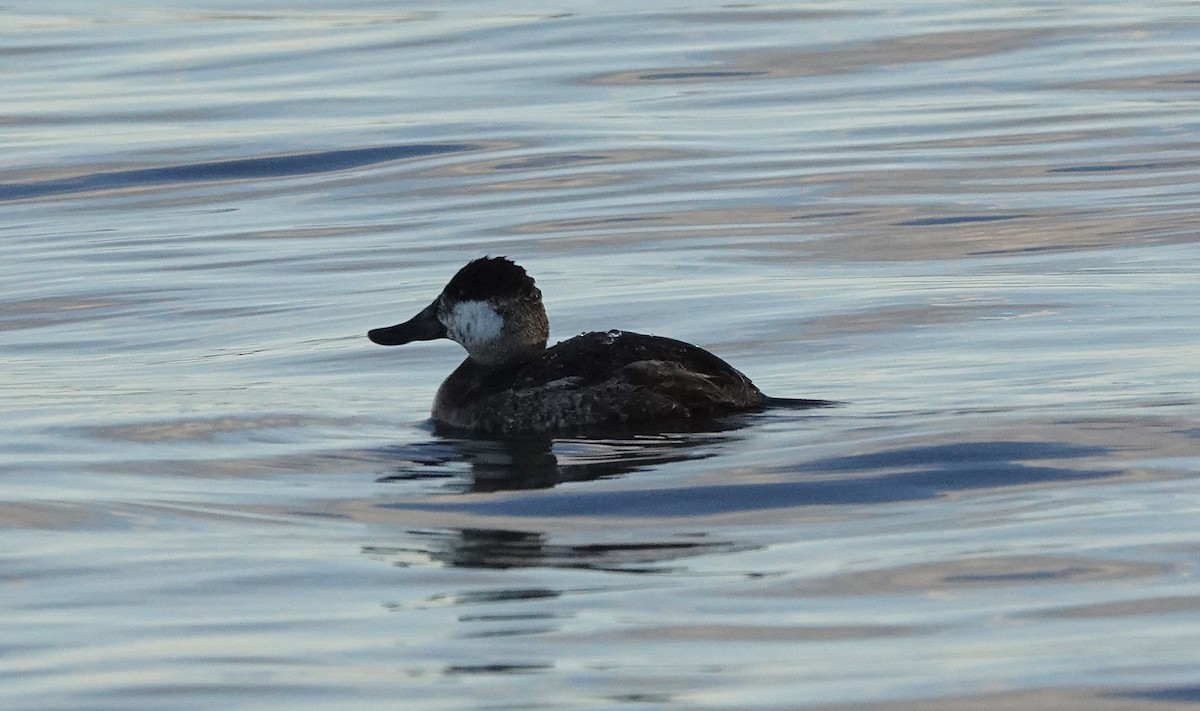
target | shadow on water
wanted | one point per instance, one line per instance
(925, 471)
(895, 475)
(1168, 694)
(275, 166)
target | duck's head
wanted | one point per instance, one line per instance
(491, 307)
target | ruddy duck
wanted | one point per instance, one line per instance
(511, 383)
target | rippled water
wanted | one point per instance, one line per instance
(974, 224)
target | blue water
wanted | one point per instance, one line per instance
(974, 224)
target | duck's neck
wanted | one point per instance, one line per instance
(500, 356)
(473, 379)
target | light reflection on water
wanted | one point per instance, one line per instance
(973, 225)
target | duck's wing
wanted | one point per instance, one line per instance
(665, 373)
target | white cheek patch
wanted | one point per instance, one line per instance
(474, 324)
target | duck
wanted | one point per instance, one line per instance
(511, 384)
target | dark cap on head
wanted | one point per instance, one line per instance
(489, 277)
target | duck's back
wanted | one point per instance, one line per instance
(596, 380)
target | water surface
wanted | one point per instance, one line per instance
(974, 224)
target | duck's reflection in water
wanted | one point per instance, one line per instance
(481, 464)
(503, 549)
(484, 465)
